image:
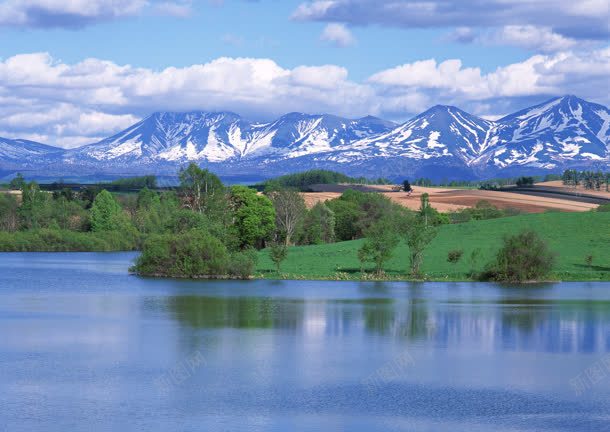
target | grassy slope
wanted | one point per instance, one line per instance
(571, 235)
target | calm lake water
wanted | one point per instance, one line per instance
(86, 347)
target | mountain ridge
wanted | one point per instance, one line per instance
(562, 132)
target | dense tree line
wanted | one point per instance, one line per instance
(303, 180)
(592, 180)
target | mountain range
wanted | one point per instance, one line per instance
(442, 142)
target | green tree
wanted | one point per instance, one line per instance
(347, 215)
(17, 183)
(381, 240)
(253, 216)
(148, 217)
(319, 225)
(107, 214)
(418, 234)
(278, 253)
(33, 212)
(9, 219)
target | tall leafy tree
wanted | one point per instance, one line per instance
(253, 216)
(319, 225)
(106, 213)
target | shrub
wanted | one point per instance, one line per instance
(523, 257)
(189, 255)
(243, 264)
(454, 256)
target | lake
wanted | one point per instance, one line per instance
(84, 346)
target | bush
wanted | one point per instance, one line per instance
(454, 256)
(243, 264)
(523, 257)
(192, 254)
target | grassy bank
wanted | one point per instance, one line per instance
(572, 236)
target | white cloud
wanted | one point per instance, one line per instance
(337, 34)
(69, 104)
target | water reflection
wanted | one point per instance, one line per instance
(504, 324)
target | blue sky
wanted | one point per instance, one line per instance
(74, 72)
(249, 29)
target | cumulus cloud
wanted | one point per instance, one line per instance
(338, 34)
(73, 104)
(586, 19)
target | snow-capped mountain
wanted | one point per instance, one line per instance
(19, 151)
(442, 142)
(562, 131)
(224, 136)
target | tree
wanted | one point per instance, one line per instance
(107, 214)
(253, 216)
(319, 225)
(380, 242)
(406, 186)
(9, 220)
(418, 235)
(525, 181)
(425, 209)
(289, 210)
(347, 215)
(148, 218)
(523, 257)
(203, 191)
(278, 254)
(33, 212)
(17, 183)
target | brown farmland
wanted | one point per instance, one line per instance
(447, 199)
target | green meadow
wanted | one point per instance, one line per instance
(571, 236)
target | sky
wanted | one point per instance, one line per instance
(75, 71)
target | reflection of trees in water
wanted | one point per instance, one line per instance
(509, 323)
(236, 312)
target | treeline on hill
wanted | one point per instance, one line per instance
(489, 184)
(592, 180)
(302, 181)
(128, 184)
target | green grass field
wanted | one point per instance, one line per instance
(572, 236)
